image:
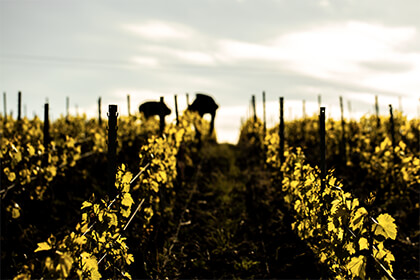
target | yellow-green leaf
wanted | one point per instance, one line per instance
(11, 176)
(294, 184)
(164, 177)
(96, 208)
(125, 212)
(129, 259)
(81, 240)
(31, 150)
(86, 204)
(357, 266)
(113, 220)
(43, 246)
(356, 221)
(385, 227)
(126, 178)
(389, 257)
(350, 248)
(15, 213)
(127, 275)
(363, 243)
(64, 265)
(49, 264)
(90, 264)
(127, 200)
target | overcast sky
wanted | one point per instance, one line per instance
(229, 49)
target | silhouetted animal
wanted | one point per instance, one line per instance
(204, 104)
(152, 108)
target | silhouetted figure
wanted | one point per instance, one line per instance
(152, 108)
(204, 104)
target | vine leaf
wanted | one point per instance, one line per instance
(357, 266)
(43, 246)
(363, 243)
(86, 204)
(356, 221)
(65, 264)
(385, 226)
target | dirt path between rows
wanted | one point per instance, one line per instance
(232, 225)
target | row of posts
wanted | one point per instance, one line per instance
(322, 134)
(19, 117)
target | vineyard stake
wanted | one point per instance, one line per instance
(46, 126)
(188, 100)
(253, 108)
(67, 107)
(343, 133)
(264, 116)
(302, 126)
(319, 100)
(112, 147)
(176, 109)
(46, 131)
(281, 131)
(322, 147)
(161, 116)
(19, 116)
(391, 120)
(99, 111)
(4, 106)
(378, 120)
(128, 105)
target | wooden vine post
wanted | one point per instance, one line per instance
(343, 134)
(128, 105)
(161, 116)
(46, 131)
(112, 148)
(281, 136)
(4, 106)
(254, 110)
(378, 120)
(176, 109)
(67, 108)
(302, 126)
(281, 131)
(322, 147)
(99, 111)
(264, 115)
(19, 116)
(392, 132)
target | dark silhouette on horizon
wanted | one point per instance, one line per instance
(204, 104)
(152, 108)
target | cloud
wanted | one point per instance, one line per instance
(180, 56)
(160, 30)
(145, 61)
(329, 51)
(387, 66)
(195, 57)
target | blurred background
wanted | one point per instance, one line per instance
(229, 49)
